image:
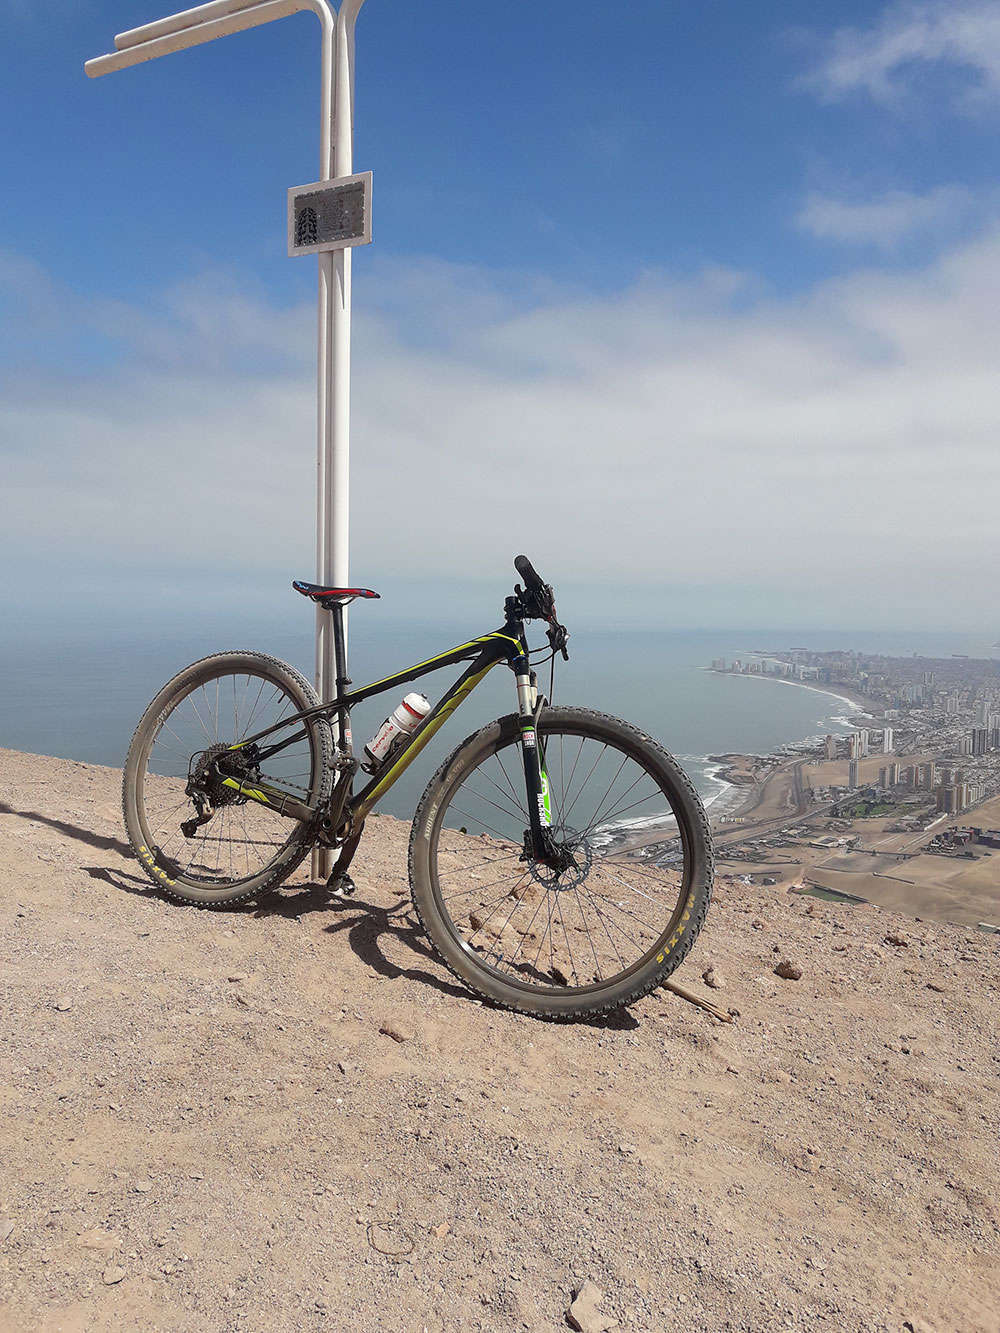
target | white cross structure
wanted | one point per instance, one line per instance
(205, 23)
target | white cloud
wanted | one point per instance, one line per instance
(885, 220)
(832, 454)
(908, 39)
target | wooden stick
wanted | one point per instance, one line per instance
(691, 998)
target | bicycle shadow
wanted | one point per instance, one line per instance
(371, 922)
(100, 841)
(366, 925)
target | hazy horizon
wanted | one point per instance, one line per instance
(761, 389)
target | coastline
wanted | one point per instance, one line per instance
(857, 701)
(737, 772)
(730, 797)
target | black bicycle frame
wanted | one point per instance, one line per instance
(483, 653)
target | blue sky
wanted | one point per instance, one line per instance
(725, 274)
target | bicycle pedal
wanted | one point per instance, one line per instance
(341, 885)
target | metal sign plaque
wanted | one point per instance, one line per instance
(330, 215)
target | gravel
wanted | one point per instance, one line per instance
(306, 1169)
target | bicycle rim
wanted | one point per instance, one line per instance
(244, 839)
(614, 913)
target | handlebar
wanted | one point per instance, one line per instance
(537, 602)
(533, 581)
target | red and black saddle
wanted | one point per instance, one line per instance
(328, 598)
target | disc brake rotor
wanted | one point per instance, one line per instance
(572, 875)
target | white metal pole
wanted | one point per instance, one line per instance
(135, 49)
(333, 454)
(219, 18)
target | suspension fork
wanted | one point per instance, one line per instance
(535, 777)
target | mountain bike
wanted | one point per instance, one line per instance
(559, 860)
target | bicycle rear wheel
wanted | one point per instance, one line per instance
(245, 847)
(596, 935)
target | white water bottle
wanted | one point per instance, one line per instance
(403, 720)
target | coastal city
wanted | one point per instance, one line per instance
(904, 810)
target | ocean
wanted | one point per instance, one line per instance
(77, 690)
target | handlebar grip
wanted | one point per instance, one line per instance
(524, 567)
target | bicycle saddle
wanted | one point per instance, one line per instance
(331, 597)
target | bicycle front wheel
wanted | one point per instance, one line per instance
(596, 935)
(229, 846)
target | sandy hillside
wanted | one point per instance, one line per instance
(204, 1127)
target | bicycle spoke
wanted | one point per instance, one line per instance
(614, 809)
(513, 792)
(504, 810)
(597, 965)
(596, 817)
(585, 781)
(550, 925)
(243, 836)
(490, 860)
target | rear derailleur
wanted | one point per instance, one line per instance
(208, 771)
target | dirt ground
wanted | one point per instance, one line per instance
(206, 1122)
(945, 887)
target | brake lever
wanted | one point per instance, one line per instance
(557, 636)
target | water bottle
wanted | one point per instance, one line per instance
(402, 721)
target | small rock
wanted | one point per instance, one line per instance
(898, 940)
(237, 976)
(6, 1227)
(714, 978)
(112, 1275)
(396, 1031)
(441, 1230)
(583, 1314)
(142, 1186)
(97, 1239)
(343, 1066)
(63, 1004)
(787, 969)
(933, 985)
(804, 1161)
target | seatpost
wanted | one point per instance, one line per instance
(342, 678)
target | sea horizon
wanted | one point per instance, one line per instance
(77, 694)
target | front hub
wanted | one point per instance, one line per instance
(565, 862)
